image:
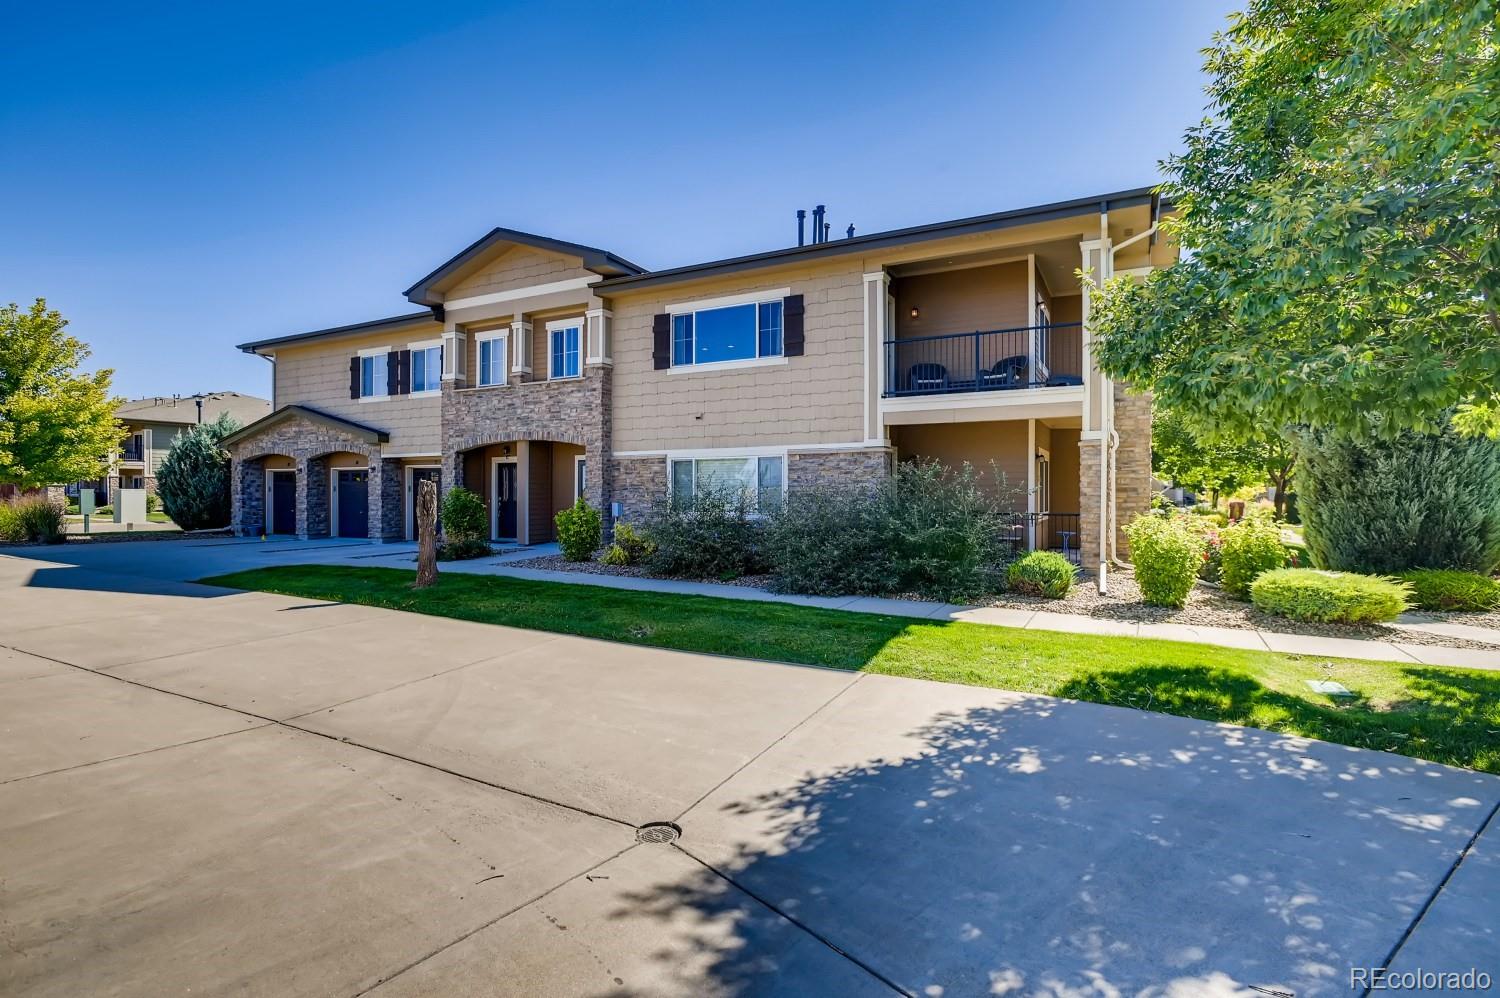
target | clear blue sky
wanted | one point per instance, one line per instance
(179, 178)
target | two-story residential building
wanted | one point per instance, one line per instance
(537, 370)
(152, 424)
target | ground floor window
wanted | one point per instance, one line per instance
(580, 477)
(762, 479)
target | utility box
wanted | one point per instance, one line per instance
(130, 506)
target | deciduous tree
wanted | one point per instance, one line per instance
(56, 424)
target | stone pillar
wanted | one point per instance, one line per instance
(1089, 469)
(312, 497)
(1132, 460)
(247, 483)
(385, 488)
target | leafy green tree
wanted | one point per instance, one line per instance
(1202, 458)
(56, 425)
(1342, 226)
(193, 481)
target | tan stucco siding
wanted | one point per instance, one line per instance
(814, 398)
(317, 375)
(519, 267)
(962, 301)
(988, 447)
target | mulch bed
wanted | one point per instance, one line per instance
(1207, 606)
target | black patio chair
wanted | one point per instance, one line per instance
(927, 378)
(1007, 373)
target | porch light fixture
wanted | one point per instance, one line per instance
(916, 313)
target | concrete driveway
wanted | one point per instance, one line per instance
(208, 792)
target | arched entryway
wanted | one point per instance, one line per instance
(525, 482)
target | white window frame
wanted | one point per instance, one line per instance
(750, 454)
(480, 339)
(756, 298)
(384, 393)
(579, 323)
(580, 459)
(427, 345)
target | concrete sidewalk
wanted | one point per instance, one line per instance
(196, 559)
(213, 792)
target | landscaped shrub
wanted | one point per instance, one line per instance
(1333, 597)
(1450, 589)
(1250, 547)
(1042, 573)
(634, 545)
(1414, 502)
(32, 518)
(926, 530)
(831, 540)
(193, 480)
(710, 536)
(1166, 553)
(579, 531)
(465, 526)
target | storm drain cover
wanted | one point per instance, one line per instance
(657, 833)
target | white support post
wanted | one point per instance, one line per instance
(1031, 503)
(600, 328)
(455, 355)
(520, 350)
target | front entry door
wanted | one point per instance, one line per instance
(354, 497)
(505, 501)
(283, 502)
(418, 476)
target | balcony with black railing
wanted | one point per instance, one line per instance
(1049, 356)
(132, 451)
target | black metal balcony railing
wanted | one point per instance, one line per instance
(985, 361)
(132, 451)
(1045, 532)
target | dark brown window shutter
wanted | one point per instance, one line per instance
(393, 373)
(354, 377)
(791, 326)
(661, 341)
(404, 386)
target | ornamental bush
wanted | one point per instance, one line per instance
(1042, 573)
(833, 540)
(193, 480)
(709, 536)
(1250, 547)
(1166, 552)
(32, 518)
(465, 526)
(633, 543)
(1450, 589)
(1328, 597)
(579, 531)
(1419, 501)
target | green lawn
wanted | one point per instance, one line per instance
(1447, 715)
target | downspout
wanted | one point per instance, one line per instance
(1106, 410)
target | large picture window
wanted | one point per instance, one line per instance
(733, 332)
(565, 351)
(761, 479)
(492, 361)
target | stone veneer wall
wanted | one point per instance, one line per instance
(574, 411)
(1132, 475)
(638, 483)
(838, 467)
(308, 444)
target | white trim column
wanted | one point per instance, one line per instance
(455, 356)
(520, 350)
(600, 327)
(876, 288)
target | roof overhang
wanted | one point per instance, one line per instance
(368, 434)
(353, 329)
(601, 262)
(880, 240)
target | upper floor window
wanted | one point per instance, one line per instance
(732, 332)
(492, 360)
(426, 367)
(565, 349)
(374, 375)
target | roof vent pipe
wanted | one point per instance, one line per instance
(801, 226)
(850, 234)
(818, 227)
(826, 227)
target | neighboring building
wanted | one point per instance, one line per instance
(153, 423)
(538, 370)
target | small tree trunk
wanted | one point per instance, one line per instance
(426, 516)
